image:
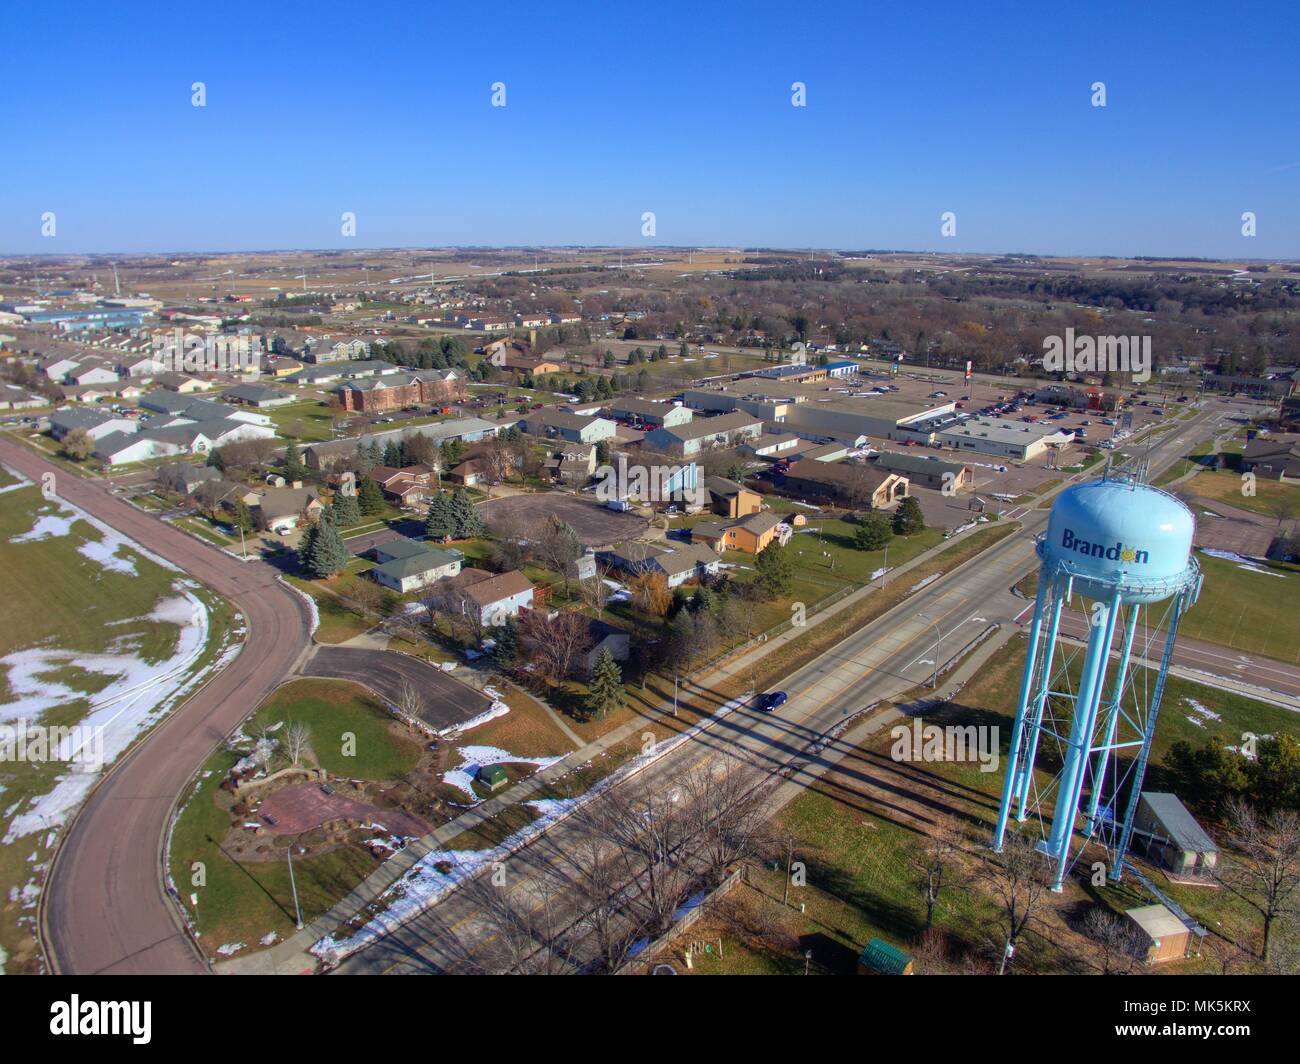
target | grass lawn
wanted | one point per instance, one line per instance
(1223, 485)
(1241, 608)
(335, 709)
(242, 901)
(1247, 609)
(304, 422)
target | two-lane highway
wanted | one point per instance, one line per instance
(103, 909)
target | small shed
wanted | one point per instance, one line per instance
(493, 777)
(1172, 835)
(1164, 936)
(880, 958)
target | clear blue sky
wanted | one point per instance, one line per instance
(678, 108)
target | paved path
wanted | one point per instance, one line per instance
(104, 908)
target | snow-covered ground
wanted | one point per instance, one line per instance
(137, 692)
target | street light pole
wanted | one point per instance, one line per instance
(294, 887)
(938, 642)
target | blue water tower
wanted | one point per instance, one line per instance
(1117, 551)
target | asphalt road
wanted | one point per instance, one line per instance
(386, 672)
(895, 654)
(103, 909)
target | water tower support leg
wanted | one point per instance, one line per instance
(1018, 726)
(1116, 698)
(1026, 778)
(1080, 742)
(1144, 754)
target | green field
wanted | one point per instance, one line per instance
(1271, 498)
(1247, 609)
(306, 422)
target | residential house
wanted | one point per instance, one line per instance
(406, 565)
(604, 637)
(749, 534)
(574, 466)
(184, 477)
(284, 509)
(490, 599)
(678, 564)
(730, 499)
(1273, 457)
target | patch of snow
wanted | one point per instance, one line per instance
(476, 757)
(136, 696)
(229, 949)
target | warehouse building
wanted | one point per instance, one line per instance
(725, 430)
(1017, 440)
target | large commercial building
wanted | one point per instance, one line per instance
(824, 414)
(1018, 440)
(699, 434)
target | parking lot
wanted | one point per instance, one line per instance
(447, 701)
(596, 526)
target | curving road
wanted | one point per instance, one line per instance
(104, 910)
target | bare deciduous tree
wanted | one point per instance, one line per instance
(297, 741)
(1017, 878)
(1263, 869)
(411, 702)
(1117, 938)
(934, 864)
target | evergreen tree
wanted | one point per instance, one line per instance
(393, 454)
(305, 542)
(467, 521)
(908, 519)
(774, 570)
(605, 692)
(243, 518)
(370, 499)
(441, 522)
(506, 651)
(293, 467)
(328, 554)
(345, 509)
(452, 453)
(873, 533)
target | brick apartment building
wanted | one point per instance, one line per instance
(393, 391)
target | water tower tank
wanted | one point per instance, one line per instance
(1117, 534)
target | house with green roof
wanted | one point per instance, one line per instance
(413, 570)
